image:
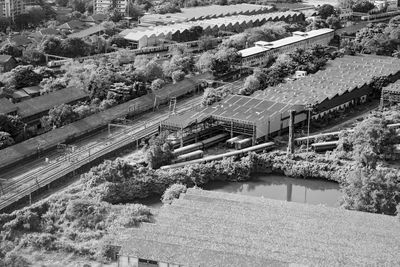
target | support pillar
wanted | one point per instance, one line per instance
(290, 148)
(181, 137)
(30, 199)
(254, 135)
(231, 129)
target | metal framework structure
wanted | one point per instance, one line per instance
(390, 95)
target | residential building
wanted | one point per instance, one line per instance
(261, 53)
(11, 8)
(103, 6)
(7, 63)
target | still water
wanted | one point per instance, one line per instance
(275, 187)
(283, 188)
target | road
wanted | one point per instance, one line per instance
(22, 181)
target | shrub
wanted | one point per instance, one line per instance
(173, 192)
(135, 214)
(39, 240)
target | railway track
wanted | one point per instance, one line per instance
(24, 185)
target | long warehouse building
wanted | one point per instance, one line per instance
(345, 82)
(181, 32)
(262, 52)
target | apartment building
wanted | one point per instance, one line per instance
(11, 8)
(102, 6)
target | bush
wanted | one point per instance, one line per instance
(173, 192)
(135, 214)
(376, 191)
(39, 240)
(85, 213)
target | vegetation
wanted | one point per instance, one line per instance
(310, 60)
(158, 151)
(379, 38)
(69, 222)
(212, 95)
(173, 192)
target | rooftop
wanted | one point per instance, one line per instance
(5, 58)
(393, 87)
(6, 106)
(87, 32)
(46, 102)
(141, 32)
(248, 110)
(196, 13)
(297, 37)
(340, 75)
(204, 228)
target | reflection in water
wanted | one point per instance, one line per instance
(283, 188)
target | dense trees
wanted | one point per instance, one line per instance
(11, 129)
(326, 11)
(159, 151)
(270, 31)
(224, 60)
(310, 60)
(212, 95)
(12, 50)
(69, 47)
(21, 76)
(380, 38)
(370, 190)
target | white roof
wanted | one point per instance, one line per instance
(216, 22)
(262, 46)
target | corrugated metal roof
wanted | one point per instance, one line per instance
(138, 33)
(45, 102)
(6, 106)
(204, 228)
(341, 75)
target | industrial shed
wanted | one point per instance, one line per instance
(180, 32)
(204, 228)
(204, 12)
(256, 118)
(344, 82)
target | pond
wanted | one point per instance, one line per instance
(275, 187)
(283, 188)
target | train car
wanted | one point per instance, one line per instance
(381, 15)
(231, 142)
(189, 156)
(209, 142)
(312, 138)
(187, 149)
(200, 145)
(259, 148)
(240, 144)
(324, 146)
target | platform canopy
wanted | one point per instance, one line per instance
(238, 109)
